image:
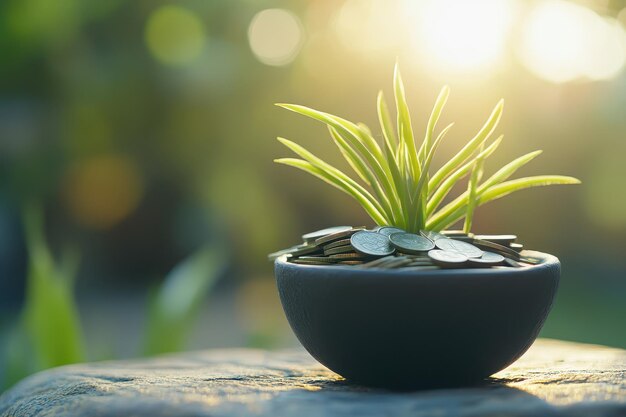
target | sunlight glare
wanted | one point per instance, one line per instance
(563, 42)
(462, 36)
(368, 26)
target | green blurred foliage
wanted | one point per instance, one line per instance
(49, 334)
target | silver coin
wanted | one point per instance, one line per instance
(464, 248)
(312, 236)
(487, 259)
(456, 233)
(512, 263)
(340, 235)
(339, 249)
(388, 230)
(379, 262)
(432, 235)
(319, 258)
(347, 256)
(501, 239)
(411, 243)
(371, 243)
(447, 259)
(295, 251)
(308, 262)
(496, 247)
(342, 242)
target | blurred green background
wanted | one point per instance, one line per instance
(145, 130)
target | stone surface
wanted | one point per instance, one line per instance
(553, 379)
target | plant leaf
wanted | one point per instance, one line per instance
(353, 159)
(386, 125)
(392, 194)
(445, 187)
(477, 173)
(501, 175)
(442, 98)
(320, 164)
(420, 193)
(384, 189)
(343, 126)
(508, 187)
(371, 210)
(469, 148)
(503, 189)
(404, 124)
(509, 169)
(382, 204)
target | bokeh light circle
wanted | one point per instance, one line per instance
(175, 35)
(101, 191)
(275, 36)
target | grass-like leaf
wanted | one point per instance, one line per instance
(506, 188)
(432, 122)
(470, 147)
(405, 127)
(366, 147)
(174, 306)
(402, 192)
(472, 192)
(342, 178)
(391, 141)
(456, 176)
(502, 174)
(374, 212)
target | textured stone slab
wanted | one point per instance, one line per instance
(553, 379)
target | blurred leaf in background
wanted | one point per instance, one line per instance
(173, 307)
(48, 333)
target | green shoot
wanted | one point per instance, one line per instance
(394, 185)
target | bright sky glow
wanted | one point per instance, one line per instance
(369, 26)
(461, 36)
(563, 42)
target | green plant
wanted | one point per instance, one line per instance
(401, 191)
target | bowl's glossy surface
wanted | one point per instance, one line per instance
(403, 329)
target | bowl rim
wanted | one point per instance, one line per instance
(548, 262)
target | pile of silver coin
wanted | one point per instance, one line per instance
(391, 247)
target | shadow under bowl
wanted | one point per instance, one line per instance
(396, 328)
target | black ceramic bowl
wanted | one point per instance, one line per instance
(396, 328)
